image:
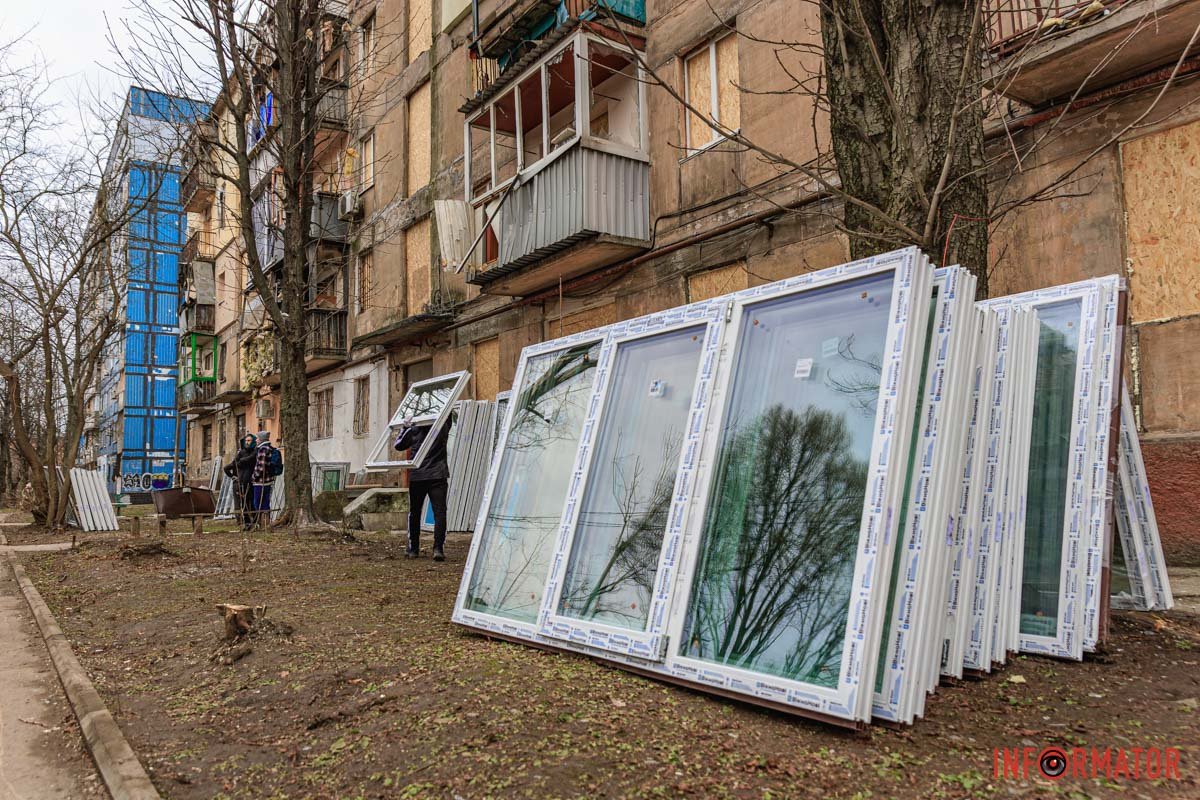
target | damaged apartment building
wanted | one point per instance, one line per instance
(517, 175)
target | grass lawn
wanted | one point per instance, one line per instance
(375, 694)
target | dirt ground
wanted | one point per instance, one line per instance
(375, 694)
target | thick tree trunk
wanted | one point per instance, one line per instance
(906, 125)
(293, 419)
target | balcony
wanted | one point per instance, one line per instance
(197, 395)
(1045, 50)
(332, 105)
(520, 22)
(199, 183)
(199, 246)
(325, 342)
(197, 318)
(559, 188)
(199, 186)
(324, 228)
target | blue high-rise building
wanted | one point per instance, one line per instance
(139, 437)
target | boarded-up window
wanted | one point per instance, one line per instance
(716, 282)
(487, 369)
(1161, 172)
(322, 414)
(416, 260)
(417, 138)
(710, 86)
(419, 28)
(362, 405)
(582, 321)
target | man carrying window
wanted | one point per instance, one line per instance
(430, 480)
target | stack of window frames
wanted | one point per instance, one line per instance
(821, 494)
(711, 494)
(1068, 508)
(913, 626)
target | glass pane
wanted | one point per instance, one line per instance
(560, 81)
(526, 505)
(781, 529)
(613, 92)
(614, 558)
(426, 402)
(1049, 465)
(506, 137)
(1119, 584)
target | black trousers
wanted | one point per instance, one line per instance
(436, 492)
(246, 490)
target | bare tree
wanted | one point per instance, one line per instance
(62, 220)
(274, 65)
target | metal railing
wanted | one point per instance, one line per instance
(195, 393)
(326, 336)
(1011, 20)
(200, 246)
(199, 317)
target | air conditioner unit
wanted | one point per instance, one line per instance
(348, 205)
(264, 409)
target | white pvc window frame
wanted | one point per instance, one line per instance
(852, 694)
(1143, 525)
(960, 584)
(495, 623)
(383, 445)
(647, 643)
(581, 124)
(1068, 641)
(1095, 395)
(917, 610)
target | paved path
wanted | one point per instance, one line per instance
(1185, 586)
(39, 759)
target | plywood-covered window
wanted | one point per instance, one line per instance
(711, 86)
(322, 414)
(417, 263)
(417, 136)
(362, 405)
(487, 368)
(418, 28)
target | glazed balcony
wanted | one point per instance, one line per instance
(198, 187)
(558, 187)
(1046, 50)
(505, 24)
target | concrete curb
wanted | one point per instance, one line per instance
(118, 764)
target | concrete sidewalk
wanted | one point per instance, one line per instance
(39, 758)
(1185, 586)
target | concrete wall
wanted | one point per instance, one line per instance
(1130, 209)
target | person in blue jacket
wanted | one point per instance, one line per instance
(431, 479)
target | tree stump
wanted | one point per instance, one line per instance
(239, 620)
(197, 526)
(135, 527)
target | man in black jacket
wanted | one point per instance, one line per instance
(431, 480)
(241, 468)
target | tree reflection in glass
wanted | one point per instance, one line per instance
(771, 592)
(623, 514)
(518, 534)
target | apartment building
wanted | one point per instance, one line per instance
(509, 175)
(131, 431)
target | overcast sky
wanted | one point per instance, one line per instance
(72, 36)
